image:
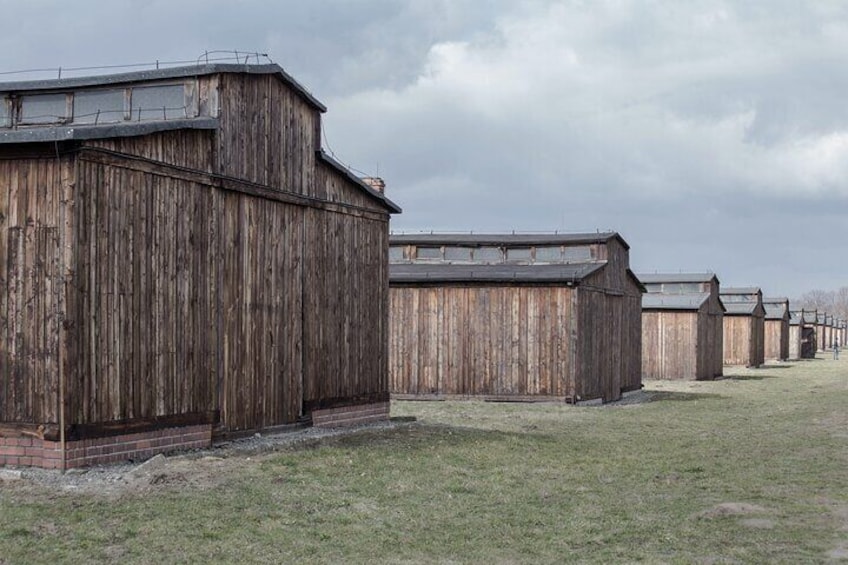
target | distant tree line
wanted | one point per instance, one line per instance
(834, 302)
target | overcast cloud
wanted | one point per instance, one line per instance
(712, 135)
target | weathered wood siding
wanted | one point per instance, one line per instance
(36, 204)
(483, 341)
(743, 340)
(795, 340)
(345, 309)
(679, 344)
(669, 343)
(195, 300)
(260, 309)
(619, 358)
(143, 298)
(776, 339)
(191, 149)
(268, 134)
(711, 339)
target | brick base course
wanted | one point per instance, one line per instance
(25, 451)
(34, 452)
(345, 416)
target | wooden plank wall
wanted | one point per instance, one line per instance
(144, 344)
(598, 362)
(201, 300)
(776, 339)
(192, 149)
(486, 341)
(711, 351)
(260, 313)
(631, 342)
(670, 348)
(345, 286)
(35, 205)
(758, 341)
(268, 134)
(795, 337)
(624, 316)
(737, 340)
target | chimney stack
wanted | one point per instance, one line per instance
(376, 183)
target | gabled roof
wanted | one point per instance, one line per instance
(740, 308)
(658, 301)
(677, 277)
(810, 317)
(795, 318)
(505, 239)
(455, 273)
(740, 290)
(776, 310)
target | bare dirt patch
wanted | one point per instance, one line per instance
(761, 523)
(726, 509)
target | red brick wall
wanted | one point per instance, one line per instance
(33, 452)
(350, 415)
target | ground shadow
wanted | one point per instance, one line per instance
(674, 396)
(749, 377)
(769, 367)
(418, 436)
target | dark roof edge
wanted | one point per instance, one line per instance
(502, 238)
(741, 290)
(678, 277)
(484, 274)
(163, 74)
(636, 280)
(102, 131)
(324, 158)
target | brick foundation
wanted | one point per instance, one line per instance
(350, 415)
(26, 451)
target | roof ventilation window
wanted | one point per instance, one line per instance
(738, 297)
(159, 103)
(488, 255)
(37, 109)
(429, 253)
(519, 255)
(99, 106)
(549, 254)
(682, 288)
(396, 254)
(5, 114)
(577, 254)
(458, 254)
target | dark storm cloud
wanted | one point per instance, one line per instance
(712, 134)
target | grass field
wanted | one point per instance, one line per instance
(749, 469)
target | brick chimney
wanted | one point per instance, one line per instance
(376, 183)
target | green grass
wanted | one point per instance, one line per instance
(499, 483)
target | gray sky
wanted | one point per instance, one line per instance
(712, 135)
